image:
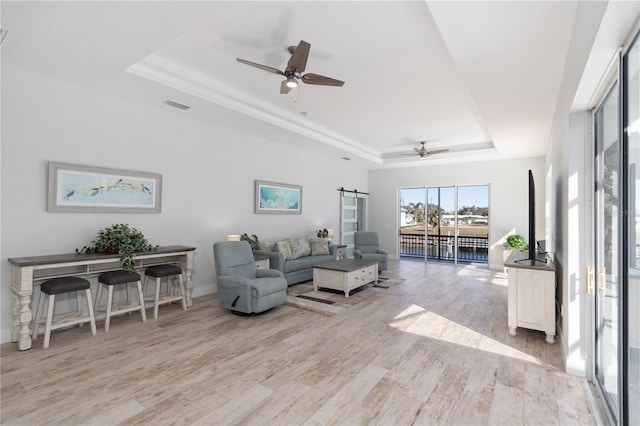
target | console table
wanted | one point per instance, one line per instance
(29, 271)
(531, 293)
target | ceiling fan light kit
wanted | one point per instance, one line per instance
(291, 82)
(295, 67)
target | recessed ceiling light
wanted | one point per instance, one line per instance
(346, 158)
(176, 104)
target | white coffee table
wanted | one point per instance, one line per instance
(345, 274)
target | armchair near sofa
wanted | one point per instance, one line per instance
(241, 286)
(367, 246)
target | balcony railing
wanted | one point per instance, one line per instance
(440, 247)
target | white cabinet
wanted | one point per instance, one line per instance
(531, 295)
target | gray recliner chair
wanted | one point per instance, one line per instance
(242, 288)
(366, 246)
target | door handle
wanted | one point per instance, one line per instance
(603, 280)
(587, 289)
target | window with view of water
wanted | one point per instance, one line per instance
(448, 224)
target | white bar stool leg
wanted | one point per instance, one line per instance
(98, 295)
(107, 319)
(141, 300)
(79, 306)
(183, 293)
(47, 327)
(156, 301)
(92, 317)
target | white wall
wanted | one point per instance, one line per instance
(208, 175)
(571, 207)
(600, 29)
(508, 210)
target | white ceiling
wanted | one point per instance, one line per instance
(466, 76)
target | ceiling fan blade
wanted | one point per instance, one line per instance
(262, 67)
(298, 60)
(321, 80)
(284, 89)
(418, 150)
(437, 151)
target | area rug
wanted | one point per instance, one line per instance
(330, 302)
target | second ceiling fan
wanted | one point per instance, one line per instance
(424, 153)
(295, 67)
(421, 152)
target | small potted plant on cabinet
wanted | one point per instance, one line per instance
(514, 242)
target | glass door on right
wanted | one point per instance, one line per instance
(473, 224)
(608, 244)
(631, 135)
(441, 223)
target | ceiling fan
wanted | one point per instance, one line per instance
(295, 67)
(422, 152)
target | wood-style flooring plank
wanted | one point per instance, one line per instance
(433, 349)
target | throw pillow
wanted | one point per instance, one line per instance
(266, 245)
(284, 248)
(319, 246)
(300, 247)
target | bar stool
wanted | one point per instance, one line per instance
(168, 271)
(112, 279)
(56, 286)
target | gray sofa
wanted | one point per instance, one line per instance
(300, 268)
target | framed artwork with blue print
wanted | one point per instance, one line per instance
(76, 188)
(275, 197)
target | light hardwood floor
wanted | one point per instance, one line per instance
(432, 350)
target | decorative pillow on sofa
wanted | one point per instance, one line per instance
(300, 247)
(319, 246)
(284, 248)
(267, 246)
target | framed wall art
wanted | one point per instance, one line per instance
(87, 189)
(274, 197)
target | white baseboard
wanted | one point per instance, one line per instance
(204, 290)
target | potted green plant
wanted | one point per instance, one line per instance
(516, 242)
(121, 239)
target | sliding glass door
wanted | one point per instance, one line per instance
(631, 293)
(608, 232)
(441, 223)
(445, 224)
(412, 222)
(473, 224)
(617, 243)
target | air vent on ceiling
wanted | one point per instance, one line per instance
(176, 104)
